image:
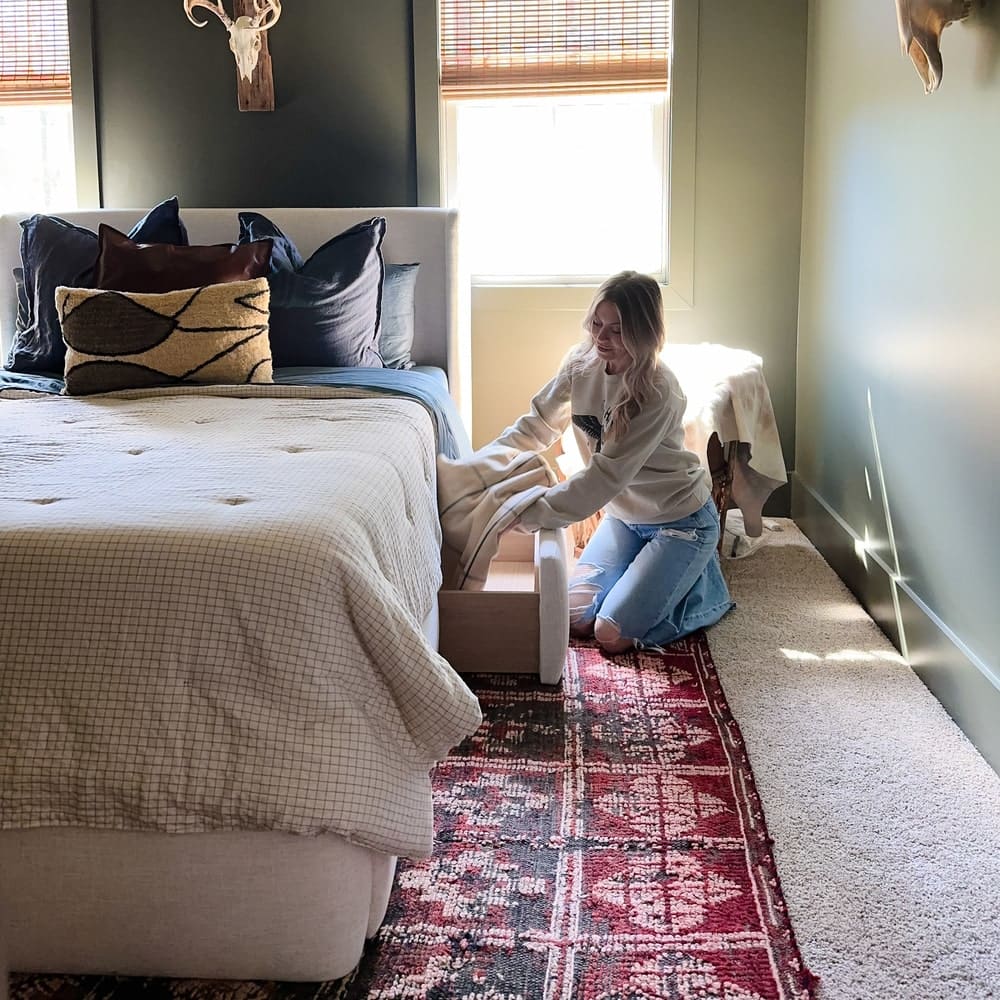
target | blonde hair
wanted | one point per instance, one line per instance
(640, 307)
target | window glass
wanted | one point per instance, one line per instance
(559, 188)
(37, 170)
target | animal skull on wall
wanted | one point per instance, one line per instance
(244, 33)
(920, 25)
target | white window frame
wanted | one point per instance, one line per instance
(85, 144)
(431, 124)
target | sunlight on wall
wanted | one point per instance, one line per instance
(895, 574)
(861, 547)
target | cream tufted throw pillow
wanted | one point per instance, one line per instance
(131, 340)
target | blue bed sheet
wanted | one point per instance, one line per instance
(426, 385)
(31, 383)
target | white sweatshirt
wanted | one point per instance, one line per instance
(647, 477)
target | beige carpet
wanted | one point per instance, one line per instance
(885, 819)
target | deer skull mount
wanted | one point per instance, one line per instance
(246, 40)
(920, 25)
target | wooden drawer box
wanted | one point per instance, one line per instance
(519, 623)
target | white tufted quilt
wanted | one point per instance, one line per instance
(209, 614)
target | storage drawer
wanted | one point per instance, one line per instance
(519, 622)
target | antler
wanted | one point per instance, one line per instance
(262, 15)
(216, 8)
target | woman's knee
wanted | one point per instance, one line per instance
(609, 635)
(584, 592)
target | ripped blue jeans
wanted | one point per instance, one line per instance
(655, 582)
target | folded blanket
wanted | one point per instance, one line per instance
(728, 396)
(479, 498)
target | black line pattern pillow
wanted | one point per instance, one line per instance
(132, 340)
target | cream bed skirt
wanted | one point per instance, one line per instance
(232, 905)
(242, 905)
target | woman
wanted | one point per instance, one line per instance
(650, 573)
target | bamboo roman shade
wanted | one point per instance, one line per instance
(510, 48)
(34, 51)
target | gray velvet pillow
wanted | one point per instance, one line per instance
(396, 338)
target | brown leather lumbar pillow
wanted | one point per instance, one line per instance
(126, 266)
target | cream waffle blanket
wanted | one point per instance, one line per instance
(726, 394)
(210, 607)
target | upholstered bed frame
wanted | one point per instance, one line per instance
(424, 235)
(231, 905)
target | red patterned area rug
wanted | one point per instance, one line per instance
(602, 840)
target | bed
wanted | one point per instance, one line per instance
(220, 696)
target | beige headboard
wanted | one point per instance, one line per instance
(425, 235)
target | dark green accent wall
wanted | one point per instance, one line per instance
(897, 403)
(341, 134)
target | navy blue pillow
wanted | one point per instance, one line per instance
(325, 311)
(55, 252)
(396, 337)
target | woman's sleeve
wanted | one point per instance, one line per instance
(608, 472)
(548, 418)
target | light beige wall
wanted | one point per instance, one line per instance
(899, 335)
(747, 197)
(519, 337)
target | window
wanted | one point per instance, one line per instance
(555, 135)
(36, 120)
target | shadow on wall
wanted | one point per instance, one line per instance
(985, 22)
